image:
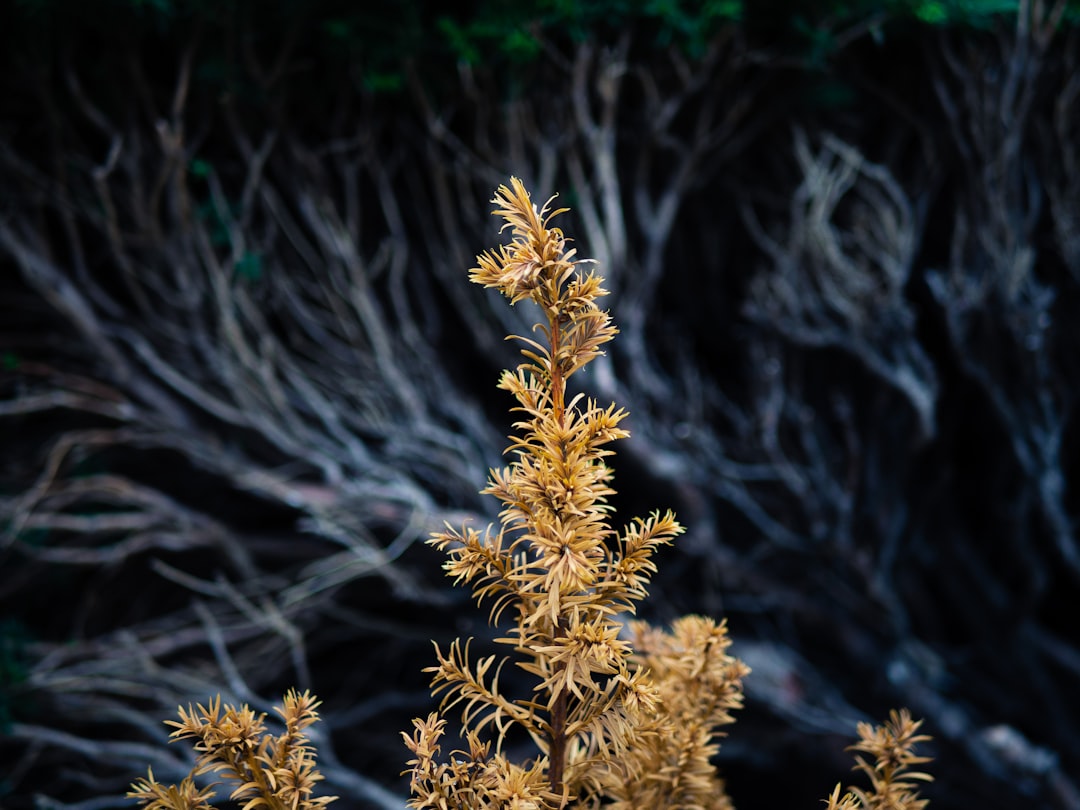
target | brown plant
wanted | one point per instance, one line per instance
(893, 785)
(278, 772)
(611, 724)
(623, 715)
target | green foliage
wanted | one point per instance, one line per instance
(932, 12)
(200, 168)
(250, 267)
(814, 29)
(14, 670)
(379, 44)
(973, 13)
(218, 221)
(514, 29)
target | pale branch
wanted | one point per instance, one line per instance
(840, 270)
(991, 278)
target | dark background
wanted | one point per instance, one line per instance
(243, 374)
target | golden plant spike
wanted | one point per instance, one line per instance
(609, 724)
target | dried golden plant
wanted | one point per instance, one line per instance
(627, 717)
(278, 772)
(893, 786)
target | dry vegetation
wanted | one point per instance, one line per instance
(241, 380)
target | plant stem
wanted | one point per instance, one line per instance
(557, 760)
(558, 382)
(557, 749)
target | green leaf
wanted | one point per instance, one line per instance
(14, 670)
(218, 225)
(933, 13)
(200, 168)
(459, 40)
(249, 268)
(725, 9)
(338, 29)
(383, 82)
(520, 44)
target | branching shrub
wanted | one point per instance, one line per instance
(277, 772)
(892, 782)
(621, 715)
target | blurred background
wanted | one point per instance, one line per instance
(243, 374)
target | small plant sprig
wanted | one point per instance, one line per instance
(893, 785)
(611, 724)
(276, 772)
